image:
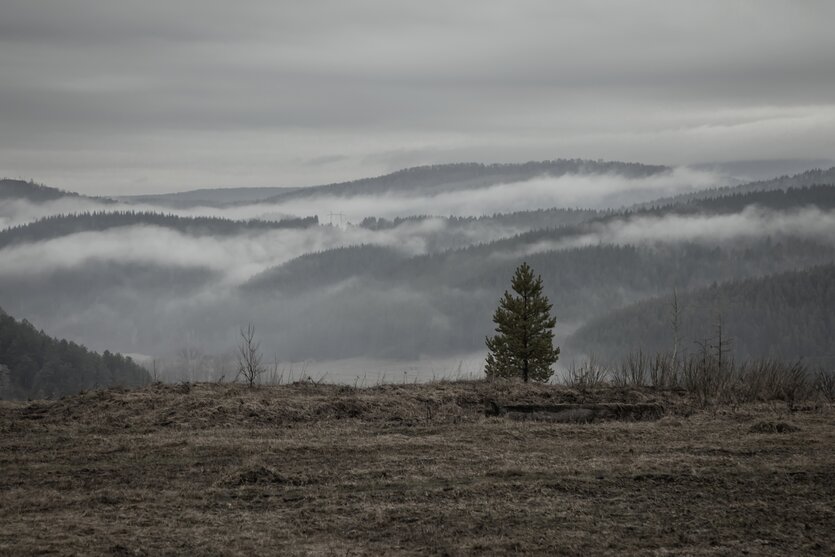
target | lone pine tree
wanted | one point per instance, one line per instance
(523, 344)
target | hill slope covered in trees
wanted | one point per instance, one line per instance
(788, 315)
(800, 180)
(35, 365)
(30, 191)
(62, 225)
(462, 176)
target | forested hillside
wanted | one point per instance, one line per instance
(789, 315)
(588, 269)
(34, 365)
(443, 303)
(617, 271)
(803, 179)
(213, 197)
(819, 195)
(328, 267)
(61, 225)
(30, 191)
(525, 220)
(461, 176)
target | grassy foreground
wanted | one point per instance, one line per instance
(411, 469)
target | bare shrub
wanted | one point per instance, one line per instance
(758, 380)
(793, 382)
(591, 373)
(753, 380)
(706, 376)
(249, 356)
(632, 371)
(772, 379)
(663, 370)
(824, 384)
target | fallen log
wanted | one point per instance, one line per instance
(576, 413)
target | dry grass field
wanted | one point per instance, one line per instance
(409, 469)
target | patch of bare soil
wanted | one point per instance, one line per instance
(412, 469)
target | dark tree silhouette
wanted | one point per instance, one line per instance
(523, 344)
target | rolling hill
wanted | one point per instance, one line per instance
(208, 197)
(469, 176)
(30, 191)
(788, 315)
(99, 221)
(34, 365)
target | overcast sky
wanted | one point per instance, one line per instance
(150, 96)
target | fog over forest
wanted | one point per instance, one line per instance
(397, 276)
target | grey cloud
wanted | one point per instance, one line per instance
(496, 81)
(751, 224)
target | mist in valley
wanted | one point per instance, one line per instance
(401, 285)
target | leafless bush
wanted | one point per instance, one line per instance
(249, 356)
(794, 383)
(705, 376)
(587, 375)
(632, 371)
(753, 380)
(825, 384)
(663, 370)
(772, 379)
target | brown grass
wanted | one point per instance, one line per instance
(409, 469)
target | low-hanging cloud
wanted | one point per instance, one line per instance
(751, 223)
(235, 257)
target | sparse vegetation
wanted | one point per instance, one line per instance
(707, 381)
(589, 374)
(825, 384)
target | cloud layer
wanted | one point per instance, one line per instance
(157, 96)
(750, 224)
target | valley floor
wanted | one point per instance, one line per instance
(410, 469)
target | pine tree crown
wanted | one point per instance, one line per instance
(523, 344)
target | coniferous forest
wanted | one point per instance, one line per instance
(35, 365)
